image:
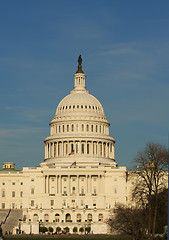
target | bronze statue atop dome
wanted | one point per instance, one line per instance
(79, 70)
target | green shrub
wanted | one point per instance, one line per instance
(87, 229)
(43, 229)
(75, 229)
(50, 229)
(81, 229)
(66, 229)
(58, 229)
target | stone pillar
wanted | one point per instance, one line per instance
(91, 148)
(61, 184)
(58, 185)
(45, 183)
(97, 144)
(102, 149)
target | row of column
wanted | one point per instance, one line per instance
(56, 184)
(87, 148)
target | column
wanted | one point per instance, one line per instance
(58, 185)
(85, 148)
(53, 149)
(45, 183)
(69, 185)
(102, 149)
(48, 184)
(80, 148)
(78, 185)
(61, 184)
(91, 148)
(97, 144)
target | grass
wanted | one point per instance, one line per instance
(66, 237)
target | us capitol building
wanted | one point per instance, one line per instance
(79, 180)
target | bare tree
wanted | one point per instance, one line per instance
(150, 179)
(129, 220)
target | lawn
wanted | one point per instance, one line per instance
(66, 237)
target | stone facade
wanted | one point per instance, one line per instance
(79, 180)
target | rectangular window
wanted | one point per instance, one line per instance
(21, 194)
(13, 194)
(32, 190)
(3, 205)
(32, 203)
(3, 193)
(13, 183)
(52, 202)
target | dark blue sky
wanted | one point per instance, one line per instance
(125, 51)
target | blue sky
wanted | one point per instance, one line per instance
(125, 51)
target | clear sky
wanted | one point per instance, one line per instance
(125, 50)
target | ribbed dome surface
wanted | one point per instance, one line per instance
(80, 101)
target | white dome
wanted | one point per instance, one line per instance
(78, 101)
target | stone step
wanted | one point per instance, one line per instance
(12, 220)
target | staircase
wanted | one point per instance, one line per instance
(3, 215)
(12, 220)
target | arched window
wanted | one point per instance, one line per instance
(57, 217)
(91, 128)
(82, 127)
(100, 129)
(35, 217)
(100, 217)
(89, 217)
(63, 127)
(96, 128)
(68, 217)
(59, 128)
(87, 127)
(72, 127)
(46, 218)
(67, 128)
(78, 217)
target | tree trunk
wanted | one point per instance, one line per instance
(155, 216)
(149, 221)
